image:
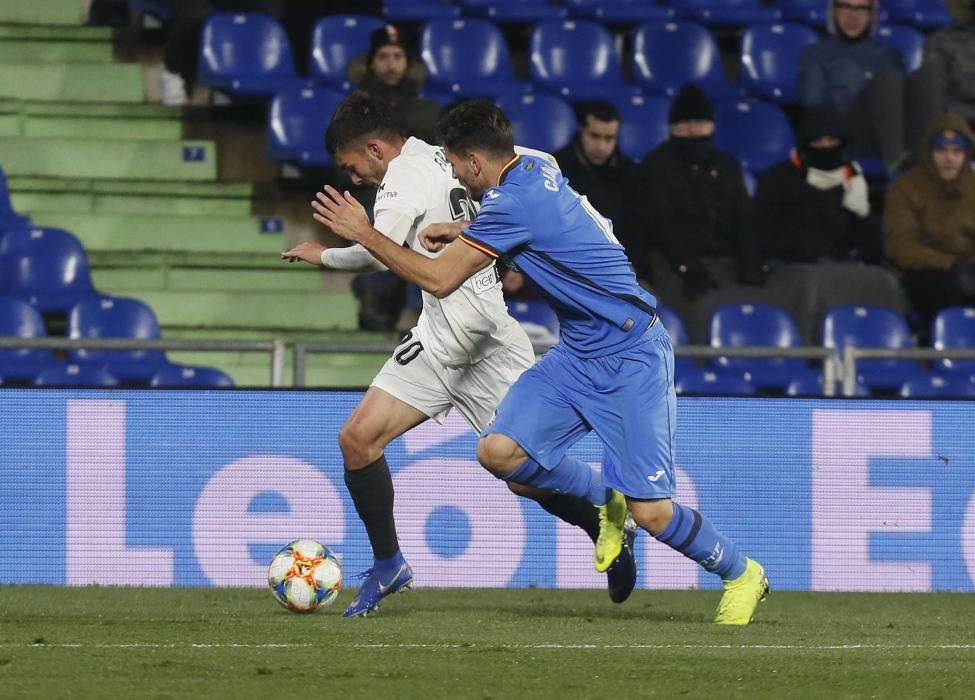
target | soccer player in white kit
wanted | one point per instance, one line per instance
(465, 351)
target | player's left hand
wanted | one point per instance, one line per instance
(342, 213)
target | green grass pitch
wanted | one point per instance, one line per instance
(236, 643)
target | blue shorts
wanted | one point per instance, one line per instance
(627, 397)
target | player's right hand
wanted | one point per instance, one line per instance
(435, 237)
(309, 251)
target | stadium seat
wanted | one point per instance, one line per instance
(703, 382)
(116, 317)
(666, 55)
(954, 328)
(21, 320)
(811, 12)
(908, 41)
(173, 375)
(727, 12)
(758, 134)
(513, 10)
(297, 120)
(678, 336)
(620, 11)
(577, 60)
(335, 41)
(811, 384)
(61, 374)
(770, 60)
(934, 386)
(47, 267)
(418, 10)
(923, 14)
(872, 327)
(643, 124)
(245, 54)
(545, 122)
(741, 325)
(538, 319)
(468, 58)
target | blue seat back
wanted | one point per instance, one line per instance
(704, 382)
(666, 55)
(643, 125)
(244, 46)
(514, 10)
(545, 122)
(21, 320)
(173, 375)
(741, 325)
(47, 267)
(116, 317)
(770, 59)
(934, 386)
(573, 52)
(865, 327)
(758, 134)
(619, 10)
(954, 328)
(907, 40)
(297, 120)
(335, 41)
(61, 374)
(924, 14)
(673, 323)
(463, 50)
(418, 10)
(812, 12)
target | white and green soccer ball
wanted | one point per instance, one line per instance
(305, 575)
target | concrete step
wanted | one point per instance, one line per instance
(72, 82)
(46, 12)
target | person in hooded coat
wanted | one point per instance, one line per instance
(949, 57)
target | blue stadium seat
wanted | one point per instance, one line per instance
(116, 317)
(173, 375)
(923, 14)
(666, 55)
(770, 59)
(758, 134)
(47, 267)
(941, 387)
(538, 319)
(61, 374)
(21, 320)
(578, 60)
(813, 12)
(703, 382)
(678, 336)
(740, 325)
(336, 41)
(297, 120)
(620, 11)
(418, 10)
(245, 54)
(872, 327)
(811, 384)
(643, 124)
(545, 122)
(907, 40)
(751, 181)
(954, 328)
(468, 58)
(513, 10)
(727, 12)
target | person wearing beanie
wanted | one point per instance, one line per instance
(929, 220)
(695, 214)
(813, 207)
(949, 58)
(862, 78)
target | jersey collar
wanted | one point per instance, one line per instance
(507, 168)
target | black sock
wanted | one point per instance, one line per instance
(372, 493)
(575, 511)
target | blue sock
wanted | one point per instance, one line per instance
(387, 567)
(693, 535)
(571, 476)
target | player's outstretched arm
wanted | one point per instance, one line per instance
(438, 276)
(309, 251)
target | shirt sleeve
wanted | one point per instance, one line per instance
(498, 227)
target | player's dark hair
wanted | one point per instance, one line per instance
(476, 125)
(359, 116)
(598, 109)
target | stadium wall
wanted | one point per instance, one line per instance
(180, 488)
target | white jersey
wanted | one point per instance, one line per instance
(472, 323)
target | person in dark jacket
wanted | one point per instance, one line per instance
(949, 57)
(814, 206)
(597, 169)
(861, 78)
(694, 205)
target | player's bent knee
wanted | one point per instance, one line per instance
(359, 448)
(499, 454)
(653, 516)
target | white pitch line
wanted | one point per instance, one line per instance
(436, 647)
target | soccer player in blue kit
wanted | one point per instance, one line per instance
(613, 368)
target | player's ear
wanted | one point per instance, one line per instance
(374, 147)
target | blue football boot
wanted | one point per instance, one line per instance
(383, 579)
(621, 575)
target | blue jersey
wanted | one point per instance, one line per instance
(559, 241)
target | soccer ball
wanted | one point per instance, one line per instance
(304, 576)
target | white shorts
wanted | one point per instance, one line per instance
(474, 390)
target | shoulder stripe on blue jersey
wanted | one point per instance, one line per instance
(480, 245)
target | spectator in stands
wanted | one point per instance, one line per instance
(814, 206)
(949, 58)
(180, 55)
(388, 71)
(862, 78)
(929, 217)
(597, 169)
(694, 207)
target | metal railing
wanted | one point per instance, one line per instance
(852, 354)
(275, 348)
